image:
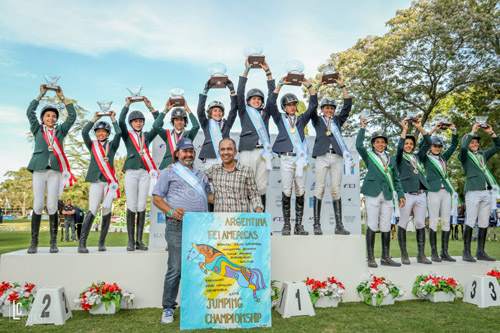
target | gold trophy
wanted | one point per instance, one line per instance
(218, 77)
(295, 69)
(177, 98)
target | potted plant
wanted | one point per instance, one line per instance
(378, 291)
(16, 295)
(275, 293)
(103, 298)
(437, 288)
(325, 294)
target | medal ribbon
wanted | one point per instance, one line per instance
(387, 172)
(480, 163)
(260, 127)
(216, 136)
(414, 162)
(442, 169)
(112, 189)
(293, 123)
(346, 155)
(192, 180)
(50, 135)
(147, 160)
(301, 161)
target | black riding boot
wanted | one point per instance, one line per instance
(285, 205)
(466, 254)
(402, 245)
(299, 212)
(445, 238)
(433, 240)
(105, 222)
(317, 216)
(481, 240)
(35, 230)
(87, 224)
(130, 230)
(53, 220)
(386, 247)
(421, 258)
(263, 200)
(337, 210)
(141, 221)
(370, 244)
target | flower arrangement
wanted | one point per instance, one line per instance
(378, 287)
(429, 284)
(11, 293)
(495, 273)
(102, 292)
(328, 288)
(275, 292)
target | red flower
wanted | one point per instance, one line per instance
(4, 286)
(86, 306)
(14, 297)
(29, 287)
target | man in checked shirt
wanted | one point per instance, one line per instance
(234, 184)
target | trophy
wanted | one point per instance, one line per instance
(135, 92)
(329, 73)
(254, 55)
(367, 115)
(104, 106)
(52, 83)
(294, 69)
(218, 77)
(443, 121)
(482, 120)
(412, 118)
(177, 99)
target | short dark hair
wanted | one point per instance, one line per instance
(234, 142)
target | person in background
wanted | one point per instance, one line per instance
(69, 221)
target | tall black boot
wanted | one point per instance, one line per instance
(87, 224)
(53, 220)
(386, 247)
(130, 230)
(337, 210)
(317, 216)
(466, 254)
(141, 221)
(421, 258)
(402, 245)
(263, 200)
(433, 240)
(299, 212)
(445, 238)
(105, 222)
(370, 244)
(481, 240)
(285, 206)
(35, 231)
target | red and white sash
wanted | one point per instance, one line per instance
(171, 143)
(112, 190)
(146, 159)
(68, 179)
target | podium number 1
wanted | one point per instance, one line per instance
(297, 295)
(45, 313)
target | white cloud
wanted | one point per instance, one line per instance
(12, 115)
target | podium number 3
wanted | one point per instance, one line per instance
(473, 292)
(493, 293)
(45, 313)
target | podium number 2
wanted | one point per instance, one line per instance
(45, 313)
(493, 293)
(297, 295)
(473, 292)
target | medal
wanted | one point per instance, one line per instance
(292, 130)
(415, 171)
(328, 133)
(51, 148)
(386, 170)
(106, 159)
(141, 152)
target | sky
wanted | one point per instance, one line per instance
(99, 48)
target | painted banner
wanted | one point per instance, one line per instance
(226, 270)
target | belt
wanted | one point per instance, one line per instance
(288, 154)
(416, 193)
(174, 220)
(258, 147)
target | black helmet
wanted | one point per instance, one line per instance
(287, 99)
(436, 141)
(328, 101)
(412, 138)
(255, 92)
(216, 104)
(474, 136)
(135, 115)
(49, 108)
(102, 125)
(179, 113)
(379, 134)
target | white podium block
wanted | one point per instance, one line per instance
(483, 291)
(294, 300)
(51, 306)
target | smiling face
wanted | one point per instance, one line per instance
(49, 119)
(179, 124)
(216, 113)
(291, 108)
(137, 124)
(379, 144)
(328, 110)
(101, 134)
(409, 146)
(255, 102)
(186, 156)
(474, 145)
(227, 151)
(435, 149)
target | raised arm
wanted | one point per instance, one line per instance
(71, 118)
(241, 95)
(123, 116)
(85, 132)
(359, 142)
(401, 142)
(454, 144)
(313, 101)
(496, 148)
(346, 108)
(31, 111)
(118, 132)
(233, 111)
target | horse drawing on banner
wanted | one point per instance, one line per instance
(219, 263)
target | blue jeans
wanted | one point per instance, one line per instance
(67, 224)
(173, 235)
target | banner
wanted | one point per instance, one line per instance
(226, 273)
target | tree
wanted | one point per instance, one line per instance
(18, 188)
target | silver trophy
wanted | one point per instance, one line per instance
(218, 77)
(254, 55)
(482, 120)
(135, 92)
(412, 117)
(329, 73)
(367, 115)
(52, 83)
(443, 121)
(295, 69)
(104, 106)
(177, 98)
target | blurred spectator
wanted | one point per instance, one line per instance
(69, 221)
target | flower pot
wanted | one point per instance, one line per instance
(327, 302)
(101, 309)
(387, 300)
(441, 296)
(8, 311)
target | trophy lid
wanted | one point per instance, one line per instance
(255, 50)
(135, 91)
(51, 80)
(177, 92)
(294, 66)
(217, 69)
(326, 67)
(481, 119)
(104, 105)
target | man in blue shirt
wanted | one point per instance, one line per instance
(180, 189)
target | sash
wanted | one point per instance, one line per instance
(260, 127)
(414, 162)
(68, 179)
(192, 180)
(387, 172)
(112, 190)
(481, 164)
(455, 200)
(171, 143)
(301, 161)
(146, 159)
(346, 155)
(216, 136)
